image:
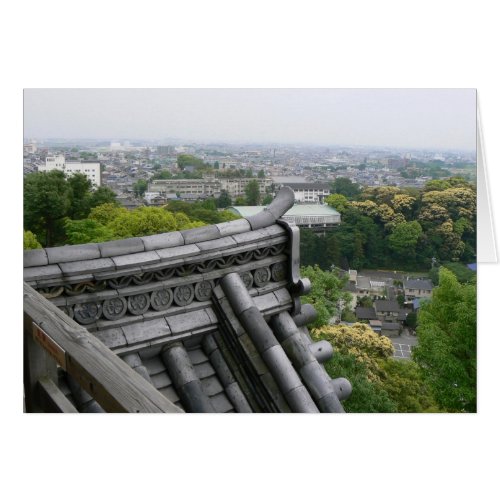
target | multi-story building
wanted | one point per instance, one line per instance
(206, 187)
(92, 169)
(308, 192)
(201, 187)
(236, 186)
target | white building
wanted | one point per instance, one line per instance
(92, 169)
(308, 192)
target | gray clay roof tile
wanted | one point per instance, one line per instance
(135, 259)
(221, 403)
(161, 380)
(204, 370)
(36, 257)
(42, 272)
(154, 365)
(87, 266)
(112, 337)
(199, 234)
(164, 240)
(180, 252)
(211, 386)
(233, 227)
(121, 247)
(146, 330)
(72, 253)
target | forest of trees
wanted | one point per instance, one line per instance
(60, 210)
(390, 227)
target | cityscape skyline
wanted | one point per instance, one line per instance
(432, 119)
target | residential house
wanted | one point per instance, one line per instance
(420, 288)
(365, 313)
(387, 310)
(390, 329)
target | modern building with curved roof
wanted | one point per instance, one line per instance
(303, 215)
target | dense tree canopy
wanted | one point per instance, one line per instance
(326, 293)
(108, 221)
(389, 226)
(204, 211)
(343, 185)
(447, 343)
(46, 204)
(50, 198)
(185, 160)
(380, 383)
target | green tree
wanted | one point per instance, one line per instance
(358, 352)
(79, 194)
(252, 193)
(326, 293)
(224, 199)
(338, 201)
(380, 383)
(366, 396)
(87, 231)
(403, 240)
(404, 382)
(447, 343)
(261, 174)
(344, 186)
(46, 203)
(143, 221)
(163, 174)
(365, 301)
(185, 160)
(411, 320)
(401, 299)
(140, 187)
(101, 195)
(106, 213)
(29, 241)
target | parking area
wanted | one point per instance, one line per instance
(402, 350)
(403, 345)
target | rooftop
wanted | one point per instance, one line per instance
(421, 284)
(386, 306)
(210, 317)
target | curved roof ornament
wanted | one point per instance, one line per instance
(282, 202)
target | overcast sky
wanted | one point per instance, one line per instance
(407, 118)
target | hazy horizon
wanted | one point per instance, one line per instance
(434, 119)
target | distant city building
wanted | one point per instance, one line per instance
(92, 169)
(30, 148)
(311, 216)
(206, 187)
(164, 150)
(236, 186)
(308, 192)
